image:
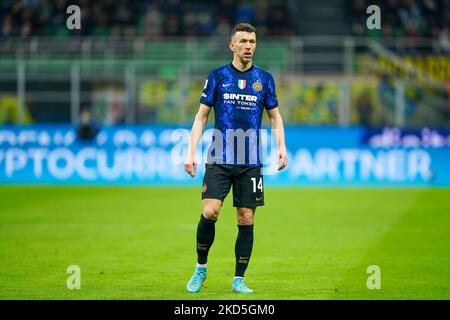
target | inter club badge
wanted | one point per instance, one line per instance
(257, 86)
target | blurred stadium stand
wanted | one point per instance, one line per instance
(145, 61)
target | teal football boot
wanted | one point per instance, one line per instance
(195, 284)
(240, 287)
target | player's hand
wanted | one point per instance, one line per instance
(282, 158)
(190, 165)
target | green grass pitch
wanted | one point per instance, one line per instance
(139, 243)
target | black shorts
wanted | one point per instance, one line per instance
(247, 182)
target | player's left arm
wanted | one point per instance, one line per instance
(276, 123)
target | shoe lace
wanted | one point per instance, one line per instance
(241, 285)
(198, 276)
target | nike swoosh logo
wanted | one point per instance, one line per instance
(226, 85)
(257, 199)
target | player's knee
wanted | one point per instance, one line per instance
(211, 212)
(245, 216)
(245, 220)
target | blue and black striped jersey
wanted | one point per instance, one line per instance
(239, 99)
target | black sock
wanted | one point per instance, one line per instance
(243, 248)
(205, 238)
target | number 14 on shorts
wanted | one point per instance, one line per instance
(260, 186)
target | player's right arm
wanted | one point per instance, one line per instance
(200, 121)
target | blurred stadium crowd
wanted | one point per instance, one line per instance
(400, 18)
(412, 79)
(404, 18)
(142, 17)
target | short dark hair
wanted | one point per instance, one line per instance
(246, 27)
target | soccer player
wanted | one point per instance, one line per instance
(238, 92)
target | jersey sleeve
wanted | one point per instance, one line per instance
(209, 91)
(271, 96)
